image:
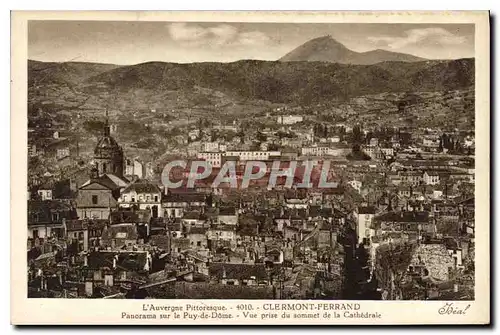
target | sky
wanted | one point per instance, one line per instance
(126, 43)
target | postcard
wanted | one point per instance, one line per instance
(201, 168)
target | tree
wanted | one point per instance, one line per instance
(261, 137)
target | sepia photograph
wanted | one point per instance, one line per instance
(321, 163)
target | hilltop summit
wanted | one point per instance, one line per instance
(327, 49)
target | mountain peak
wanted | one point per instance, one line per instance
(327, 41)
(327, 49)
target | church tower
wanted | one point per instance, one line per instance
(108, 155)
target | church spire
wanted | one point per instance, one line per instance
(107, 131)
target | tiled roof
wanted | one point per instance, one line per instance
(193, 215)
(184, 197)
(127, 216)
(120, 182)
(366, 210)
(237, 271)
(133, 261)
(41, 211)
(103, 180)
(410, 216)
(142, 186)
(161, 241)
(120, 232)
(73, 225)
(227, 211)
(197, 230)
(223, 227)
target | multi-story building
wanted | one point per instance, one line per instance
(174, 205)
(47, 219)
(334, 150)
(364, 218)
(413, 178)
(143, 194)
(374, 151)
(213, 147)
(134, 167)
(253, 155)
(78, 233)
(213, 158)
(290, 119)
(431, 178)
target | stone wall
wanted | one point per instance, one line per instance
(435, 258)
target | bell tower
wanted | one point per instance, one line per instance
(108, 155)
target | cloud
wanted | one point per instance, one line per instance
(184, 32)
(223, 33)
(253, 38)
(416, 37)
(217, 35)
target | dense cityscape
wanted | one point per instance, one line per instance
(398, 225)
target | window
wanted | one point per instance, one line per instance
(124, 198)
(94, 200)
(35, 233)
(104, 167)
(133, 199)
(198, 244)
(148, 197)
(156, 198)
(55, 216)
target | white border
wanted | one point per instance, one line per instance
(56, 308)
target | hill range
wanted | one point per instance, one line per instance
(280, 82)
(321, 69)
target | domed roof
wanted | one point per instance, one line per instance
(107, 142)
(107, 146)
